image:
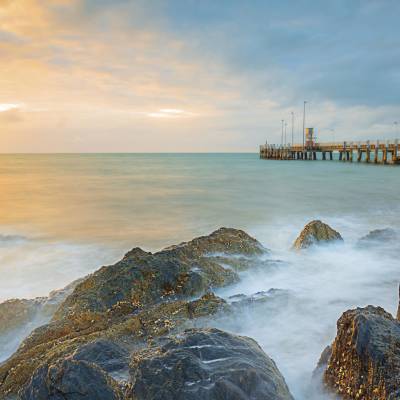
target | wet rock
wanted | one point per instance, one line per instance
(178, 271)
(116, 333)
(379, 237)
(16, 313)
(259, 298)
(398, 307)
(19, 317)
(316, 232)
(70, 380)
(207, 364)
(364, 362)
(207, 305)
(226, 241)
(123, 308)
(107, 355)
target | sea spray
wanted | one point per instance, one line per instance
(31, 267)
(321, 283)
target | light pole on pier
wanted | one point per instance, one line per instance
(285, 143)
(283, 121)
(304, 122)
(292, 127)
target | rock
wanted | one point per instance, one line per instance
(107, 355)
(207, 364)
(207, 305)
(115, 333)
(316, 232)
(364, 362)
(143, 278)
(378, 237)
(240, 300)
(398, 307)
(16, 313)
(70, 380)
(19, 317)
(126, 307)
(227, 241)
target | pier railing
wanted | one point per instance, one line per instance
(383, 152)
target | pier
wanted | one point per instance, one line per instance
(385, 152)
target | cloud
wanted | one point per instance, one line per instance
(9, 106)
(170, 113)
(228, 71)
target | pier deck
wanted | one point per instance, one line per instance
(371, 152)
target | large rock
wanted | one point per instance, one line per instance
(316, 232)
(105, 339)
(364, 359)
(70, 380)
(123, 308)
(143, 278)
(207, 364)
(106, 354)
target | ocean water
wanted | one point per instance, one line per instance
(63, 216)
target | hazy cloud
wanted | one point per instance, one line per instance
(188, 75)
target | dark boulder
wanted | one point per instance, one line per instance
(364, 360)
(123, 308)
(105, 339)
(207, 364)
(70, 380)
(107, 355)
(316, 232)
(144, 278)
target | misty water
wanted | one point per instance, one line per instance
(63, 216)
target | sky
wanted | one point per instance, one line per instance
(195, 76)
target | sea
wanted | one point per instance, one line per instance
(63, 216)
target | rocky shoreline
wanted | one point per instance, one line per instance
(131, 331)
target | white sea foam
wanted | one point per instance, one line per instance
(33, 267)
(322, 283)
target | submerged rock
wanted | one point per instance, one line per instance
(260, 298)
(364, 359)
(316, 232)
(379, 237)
(207, 364)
